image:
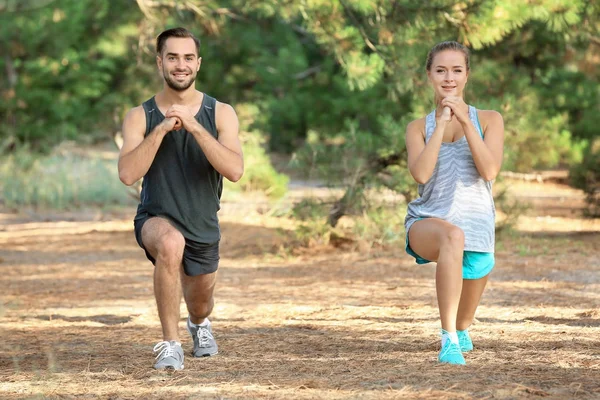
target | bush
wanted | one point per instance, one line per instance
(512, 209)
(586, 176)
(312, 228)
(535, 136)
(377, 224)
(259, 174)
(381, 224)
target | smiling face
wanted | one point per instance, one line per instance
(448, 73)
(179, 63)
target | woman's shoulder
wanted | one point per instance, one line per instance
(416, 125)
(489, 117)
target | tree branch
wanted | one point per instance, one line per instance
(305, 74)
(361, 29)
(375, 166)
(22, 6)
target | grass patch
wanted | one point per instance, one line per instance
(60, 181)
(72, 177)
(528, 245)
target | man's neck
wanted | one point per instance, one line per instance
(186, 97)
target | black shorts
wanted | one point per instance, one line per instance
(198, 258)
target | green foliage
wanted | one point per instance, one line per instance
(314, 232)
(359, 159)
(511, 208)
(259, 173)
(575, 94)
(65, 62)
(336, 82)
(540, 141)
(586, 176)
(310, 209)
(381, 224)
(312, 228)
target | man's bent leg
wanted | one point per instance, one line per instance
(198, 293)
(165, 243)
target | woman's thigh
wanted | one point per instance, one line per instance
(426, 237)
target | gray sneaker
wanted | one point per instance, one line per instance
(170, 355)
(204, 341)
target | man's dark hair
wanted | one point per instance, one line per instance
(175, 32)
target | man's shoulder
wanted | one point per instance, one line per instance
(135, 113)
(139, 111)
(221, 106)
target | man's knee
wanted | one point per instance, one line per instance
(201, 309)
(169, 248)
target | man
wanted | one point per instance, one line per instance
(182, 142)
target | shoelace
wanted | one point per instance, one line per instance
(463, 340)
(164, 350)
(452, 349)
(204, 336)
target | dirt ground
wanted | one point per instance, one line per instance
(79, 320)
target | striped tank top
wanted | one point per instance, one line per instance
(456, 193)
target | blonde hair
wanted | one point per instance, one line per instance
(449, 45)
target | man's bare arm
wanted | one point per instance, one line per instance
(138, 152)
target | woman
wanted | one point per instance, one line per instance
(454, 153)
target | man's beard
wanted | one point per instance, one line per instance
(179, 86)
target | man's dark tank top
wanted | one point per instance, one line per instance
(181, 185)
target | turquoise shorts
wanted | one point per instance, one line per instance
(476, 264)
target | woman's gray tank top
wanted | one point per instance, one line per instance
(456, 192)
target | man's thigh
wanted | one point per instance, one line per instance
(200, 264)
(159, 234)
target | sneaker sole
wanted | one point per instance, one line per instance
(205, 355)
(169, 369)
(201, 355)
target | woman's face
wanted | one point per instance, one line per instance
(448, 73)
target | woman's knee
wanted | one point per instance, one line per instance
(454, 237)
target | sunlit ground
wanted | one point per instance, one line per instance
(79, 317)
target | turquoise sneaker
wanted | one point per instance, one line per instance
(464, 340)
(450, 354)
